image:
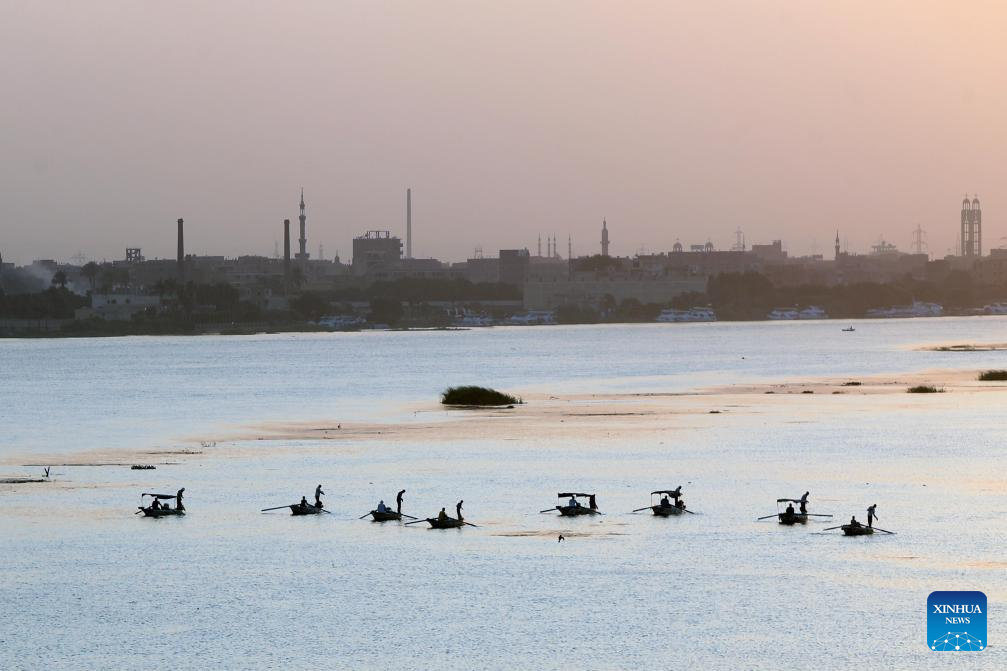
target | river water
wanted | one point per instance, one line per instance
(85, 584)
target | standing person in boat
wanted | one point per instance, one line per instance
(458, 509)
(178, 499)
(677, 492)
(592, 502)
(398, 502)
(442, 516)
(804, 503)
(872, 515)
(318, 496)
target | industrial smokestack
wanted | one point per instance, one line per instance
(286, 253)
(409, 223)
(181, 253)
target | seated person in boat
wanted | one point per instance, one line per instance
(680, 504)
(382, 508)
(155, 505)
(854, 522)
(790, 509)
(665, 503)
(442, 516)
(304, 502)
(573, 503)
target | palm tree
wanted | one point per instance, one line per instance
(90, 271)
(60, 279)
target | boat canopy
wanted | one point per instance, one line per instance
(564, 495)
(790, 500)
(158, 496)
(667, 491)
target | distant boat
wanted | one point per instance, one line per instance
(534, 318)
(850, 330)
(917, 309)
(696, 314)
(786, 314)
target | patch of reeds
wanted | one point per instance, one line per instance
(482, 396)
(925, 389)
(852, 383)
(993, 376)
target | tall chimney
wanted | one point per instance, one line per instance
(409, 223)
(286, 254)
(181, 254)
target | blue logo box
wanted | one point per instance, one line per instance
(956, 621)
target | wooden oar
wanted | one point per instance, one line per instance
(471, 525)
(409, 516)
(815, 514)
(416, 522)
(689, 511)
(767, 517)
(363, 516)
(324, 510)
(831, 528)
(639, 509)
(548, 510)
(885, 530)
(277, 507)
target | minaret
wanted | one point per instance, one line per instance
(302, 255)
(540, 245)
(604, 237)
(837, 244)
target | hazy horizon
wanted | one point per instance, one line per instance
(508, 120)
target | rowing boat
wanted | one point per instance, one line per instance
(304, 509)
(575, 507)
(791, 519)
(667, 511)
(856, 530)
(385, 516)
(449, 523)
(161, 512)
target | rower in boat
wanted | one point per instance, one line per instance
(574, 507)
(178, 499)
(442, 516)
(458, 510)
(872, 514)
(804, 503)
(398, 501)
(382, 508)
(318, 496)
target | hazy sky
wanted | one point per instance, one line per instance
(507, 118)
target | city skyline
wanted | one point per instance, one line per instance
(673, 122)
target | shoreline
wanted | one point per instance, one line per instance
(543, 416)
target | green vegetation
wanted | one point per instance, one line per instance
(993, 376)
(53, 303)
(925, 389)
(472, 395)
(852, 383)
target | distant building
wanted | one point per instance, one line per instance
(771, 252)
(374, 250)
(604, 237)
(514, 265)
